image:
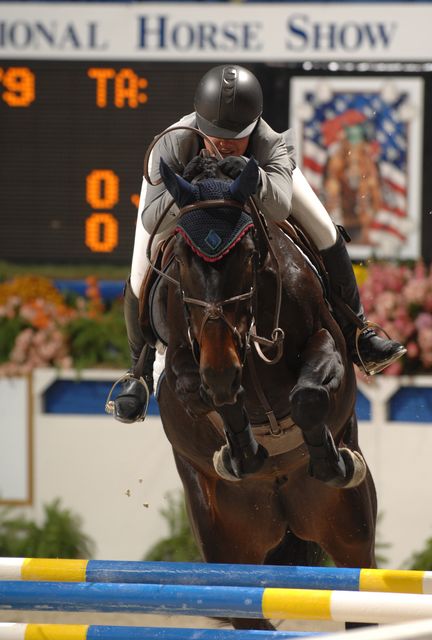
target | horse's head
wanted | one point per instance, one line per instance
(216, 256)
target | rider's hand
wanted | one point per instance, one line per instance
(200, 165)
(232, 166)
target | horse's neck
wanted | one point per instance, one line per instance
(301, 290)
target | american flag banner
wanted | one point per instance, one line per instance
(360, 147)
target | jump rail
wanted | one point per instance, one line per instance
(232, 602)
(381, 580)
(21, 631)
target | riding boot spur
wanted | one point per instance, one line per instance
(368, 350)
(131, 403)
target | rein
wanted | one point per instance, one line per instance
(277, 335)
(214, 310)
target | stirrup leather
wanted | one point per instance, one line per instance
(375, 367)
(109, 404)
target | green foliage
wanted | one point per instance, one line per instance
(179, 545)
(422, 560)
(93, 341)
(10, 328)
(59, 536)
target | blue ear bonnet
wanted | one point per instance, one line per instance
(212, 233)
(212, 189)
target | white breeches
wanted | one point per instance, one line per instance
(140, 262)
(139, 256)
(309, 211)
(306, 207)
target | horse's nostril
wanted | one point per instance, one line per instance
(222, 386)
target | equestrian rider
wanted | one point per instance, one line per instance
(228, 106)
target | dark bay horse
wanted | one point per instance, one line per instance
(268, 453)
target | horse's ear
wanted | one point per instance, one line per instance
(246, 183)
(181, 190)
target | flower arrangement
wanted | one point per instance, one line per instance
(399, 299)
(40, 327)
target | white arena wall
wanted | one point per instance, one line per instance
(116, 477)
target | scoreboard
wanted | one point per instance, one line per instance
(72, 140)
(73, 135)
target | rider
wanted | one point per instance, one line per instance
(228, 105)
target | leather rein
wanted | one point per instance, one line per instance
(215, 310)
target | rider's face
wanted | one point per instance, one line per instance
(228, 146)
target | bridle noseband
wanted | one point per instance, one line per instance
(215, 311)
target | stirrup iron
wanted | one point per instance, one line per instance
(376, 367)
(109, 404)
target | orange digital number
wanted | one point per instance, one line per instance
(101, 232)
(19, 84)
(102, 189)
(102, 192)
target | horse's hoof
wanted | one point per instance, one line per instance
(223, 466)
(355, 470)
(228, 467)
(356, 467)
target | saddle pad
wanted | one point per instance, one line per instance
(158, 306)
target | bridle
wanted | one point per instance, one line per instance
(215, 310)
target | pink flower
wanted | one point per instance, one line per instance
(423, 321)
(426, 359)
(415, 291)
(420, 270)
(412, 349)
(386, 302)
(395, 369)
(425, 339)
(428, 302)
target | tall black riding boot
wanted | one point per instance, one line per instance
(131, 403)
(369, 351)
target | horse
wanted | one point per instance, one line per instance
(263, 429)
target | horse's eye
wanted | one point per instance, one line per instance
(178, 260)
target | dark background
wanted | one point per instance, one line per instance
(48, 148)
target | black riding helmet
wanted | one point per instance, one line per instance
(228, 102)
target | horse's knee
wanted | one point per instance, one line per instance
(309, 406)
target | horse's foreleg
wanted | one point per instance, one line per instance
(242, 455)
(320, 375)
(184, 379)
(222, 515)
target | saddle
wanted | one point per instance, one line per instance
(153, 295)
(306, 245)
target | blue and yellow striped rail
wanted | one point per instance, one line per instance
(21, 631)
(381, 580)
(232, 602)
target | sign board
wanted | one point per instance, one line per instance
(229, 32)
